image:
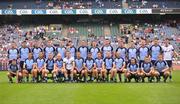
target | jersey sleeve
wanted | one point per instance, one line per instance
(44, 49)
(102, 48)
(111, 48)
(89, 50)
(161, 50)
(166, 64)
(29, 50)
(19, 50)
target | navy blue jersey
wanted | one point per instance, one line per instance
(155, 51)
(122, 51)
(143, 52)
(48, 50)
(94, 51)
(50, 64)
(62, 51)
(108, 63)
(99, 63)
(13, 68)
(24, 53)
(79, 63)
(89, 63)
(119, 62)
(40, 62)
(84, 51)
(29, 63)
(160, 65)
(36, 52)
(59, 63)
(146, 66)
(132, 53)
(132, 67)
(13, 54)
(106, 49)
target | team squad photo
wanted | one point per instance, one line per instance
(93, 63)
(89, 51)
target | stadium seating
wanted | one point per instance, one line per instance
(82, 4)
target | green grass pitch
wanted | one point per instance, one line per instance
(90, 93)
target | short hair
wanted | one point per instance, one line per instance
(134, 59)
(147, 56)
(143, 39)
(24, 42)
(156, 38)
(167, 39)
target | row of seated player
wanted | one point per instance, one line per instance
(89, 70)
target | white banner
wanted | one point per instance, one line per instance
(113, 11)
(53, 11)
(143, 11)
(0, 12)
(83, 11)
(23, 11)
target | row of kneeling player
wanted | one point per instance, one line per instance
(89, 70)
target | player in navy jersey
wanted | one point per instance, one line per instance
(107, 48)
(83, 49)
(146, 69)
(132, 70)
(89, 66)
(28, 66)
(155, 50)
(40, 67)
(121, 49)
(61, 49)
(79, 67)
(161, 68)
(143, 51)
(119, 65)
(94, 50)
(70, 47)
(132, 51)
(13, 52)
(108, 64)
(49, 68)
(100, 72)
(49, 49)
(24, 51)
(36, 50)
(13, 71)
(58, 71)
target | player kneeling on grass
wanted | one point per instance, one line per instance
(146, 69)
(101, 72)
(79, 67)
(13, 71)
(161, 68)
(119, 65)
(49, 69)
(108, 65)
(39, 67)
(35, 72)
(68, 64)
(132, 69)
(58, 70)
(28, 66)
(89, 66)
